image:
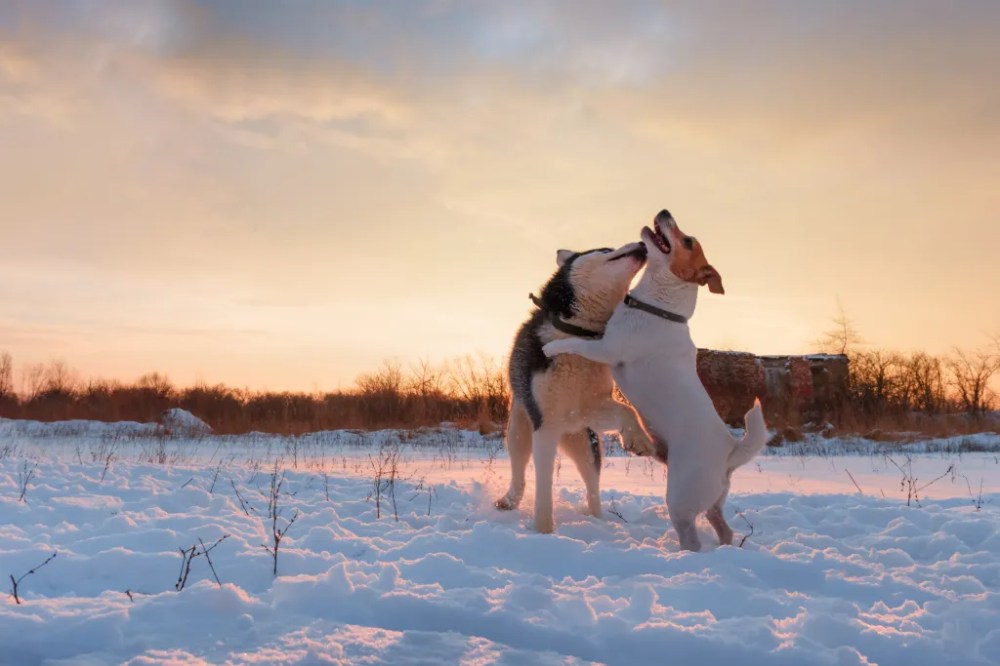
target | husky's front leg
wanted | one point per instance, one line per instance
(595, 350)
(545, 444)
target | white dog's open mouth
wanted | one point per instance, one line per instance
(658, 238)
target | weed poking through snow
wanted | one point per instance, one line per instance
(24, 477)
(614, 510)
(749, 524)
(246, 506)
(16, 582)
(385, 471)
(273, 513)
(909, 482)
(188, 555)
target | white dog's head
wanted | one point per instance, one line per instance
(682, 255)
(591, 284)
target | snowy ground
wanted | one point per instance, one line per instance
(828, 576)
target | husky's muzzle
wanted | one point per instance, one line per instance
(632, 250)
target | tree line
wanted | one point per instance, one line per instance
(469, 391)
(886, 388)
(898, 386)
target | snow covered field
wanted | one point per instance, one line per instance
(829, 575)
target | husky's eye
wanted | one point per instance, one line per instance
(688, 242)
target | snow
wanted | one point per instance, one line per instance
(177, 421)
(828, 576)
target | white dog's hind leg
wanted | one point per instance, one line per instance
(718, 522)
(687, 532)
(519, 450)
(545, 443)
(587, 458)
(717, 519)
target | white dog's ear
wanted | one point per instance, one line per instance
(708, 275)
(562, 256)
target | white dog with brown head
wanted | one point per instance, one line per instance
(648, 345)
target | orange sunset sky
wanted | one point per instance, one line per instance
(281, 195)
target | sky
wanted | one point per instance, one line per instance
(282, 195)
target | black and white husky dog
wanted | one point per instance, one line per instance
(566, 401)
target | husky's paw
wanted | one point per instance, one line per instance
(505, 504)
(638, 444)
(557, 347)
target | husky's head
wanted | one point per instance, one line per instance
(674, 254)
(589, 285)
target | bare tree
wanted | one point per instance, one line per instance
(32, 380)
(387, 379)
(482, 382)
(875, 380)
(59, 376)
(54, 378)
(156, 383)
(382, 391)
(971, 373)
(425, 385)
(842, 337)
(925, 378)
(426, 379)
(6, 374)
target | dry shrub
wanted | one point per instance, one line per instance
(9, 406)
(888, 392)
(482, 384)
(919, 393)
(51, 391)
(6, 373)
(970, 376)
(469, 391)
(220, 406)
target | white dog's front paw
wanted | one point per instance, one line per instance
(557, 347)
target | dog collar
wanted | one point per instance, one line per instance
(565, 327)
(653, 310)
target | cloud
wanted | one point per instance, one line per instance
(254, 87)
(374, 73)
(15, 68)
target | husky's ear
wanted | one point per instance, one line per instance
(708, 275)
(562, 256)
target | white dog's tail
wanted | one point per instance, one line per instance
(754, 439)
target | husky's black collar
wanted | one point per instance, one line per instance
(564, 326)
(653, 310)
